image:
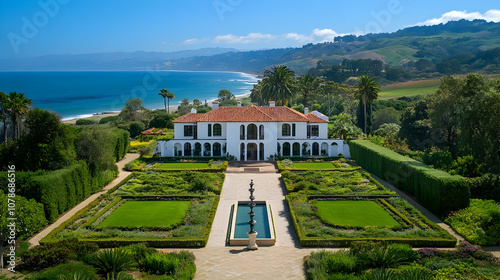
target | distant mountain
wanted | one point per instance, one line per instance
(433, 43)
(451, 41)
(105, 61)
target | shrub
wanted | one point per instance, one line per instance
(69, 271)
(385, 256)
(111, 119)
(479, 223)
(85, 122)
(139, 251)
(341, 262)
(113, 260)
(29, 221)
(159, 264)
(55, 253)
(436, 190)
(486, 187)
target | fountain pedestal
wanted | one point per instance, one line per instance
(252, 245)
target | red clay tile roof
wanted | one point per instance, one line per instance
(250, 113)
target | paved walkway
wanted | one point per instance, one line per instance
(34, 241)
(281, 261)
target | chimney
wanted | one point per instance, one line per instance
(193, 110)
(239, 103)
(272, 104)
(306, 111)
(215, 105)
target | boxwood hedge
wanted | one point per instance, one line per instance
(436, 190)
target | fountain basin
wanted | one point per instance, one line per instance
(240, 226)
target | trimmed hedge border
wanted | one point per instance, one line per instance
(346, 242)
(436, 190)
(142, 168)
(179, 242)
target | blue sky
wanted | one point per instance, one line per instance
(32, 28)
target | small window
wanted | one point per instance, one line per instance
(217, 129)
(293, 129)
(209, 130)
(285, 129)
(314, 130)
(188, 130)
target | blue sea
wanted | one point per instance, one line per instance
(75, 94)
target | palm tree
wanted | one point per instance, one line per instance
(16, 106)
(308, 86)
(166, 94)
(368, 90)
(278, 85)
(3, 114)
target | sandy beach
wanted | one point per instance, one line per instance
(98, 117)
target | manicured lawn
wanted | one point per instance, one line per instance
(355, 213)
(313, 165)
(184, 165)
(410, 88)
(147, 213)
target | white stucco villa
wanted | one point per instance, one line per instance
(251, 133)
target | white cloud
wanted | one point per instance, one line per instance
(194, 41)
(491, 15)
(317, 36)
(250, 38)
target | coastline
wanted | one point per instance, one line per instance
(98, 116)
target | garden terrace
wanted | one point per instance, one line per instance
(317, 227)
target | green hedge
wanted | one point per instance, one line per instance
(62, 189)
(436, 190)
(346, 242)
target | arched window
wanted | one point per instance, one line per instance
(261, 132)
(242, 132)
(286, 149)
(285, 129)
(217, 129)
(252, 132)
(187, 149)
(217, 150)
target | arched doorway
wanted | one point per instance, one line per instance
(251, 151)
(217, 149)
(315, 149)
(187, 149)
(242, 151)
(286, 149)
(296, 149)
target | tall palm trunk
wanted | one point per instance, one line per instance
(165, 102)
(364, 105)
(168, 108)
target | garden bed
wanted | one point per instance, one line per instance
(316, 229)
(339, 182)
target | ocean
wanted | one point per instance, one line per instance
(76, 94)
